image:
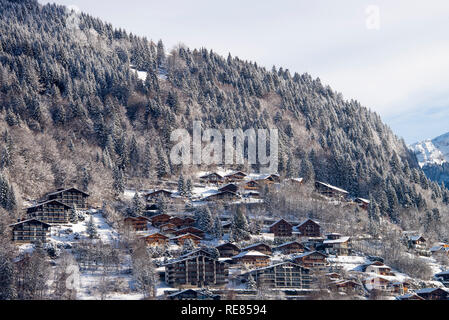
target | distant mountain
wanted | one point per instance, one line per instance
(434, 151)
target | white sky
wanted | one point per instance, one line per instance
(400, 70)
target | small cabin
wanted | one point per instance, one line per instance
(190, 294)
(281, 229)
(158, 195)
(136, 223)
(433, 293)
(223, 196)
(363, 203)
(181, 239)
(192, 230)
(228, 250)
(252, 259)
(30, 231)
(235, 177)
(261, 247)
(313, 259)
(330, 191)
(160, 219)
(290, 247)
(156, 239)
(213, 177)
(309, 228)
(251, 185)
(229, 187)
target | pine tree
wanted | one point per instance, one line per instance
(118, 183)
(204, 219)
(181, 186)
(189, 188)
(217, 228)
(239, 225)
(92, 228)
(137, 205)
(251, 284)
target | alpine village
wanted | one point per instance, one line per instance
(88, 192)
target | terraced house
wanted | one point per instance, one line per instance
(30, 231)
(72, 197)
(196, 271)
(52, 211)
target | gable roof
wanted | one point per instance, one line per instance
(68, 189)
(289, 243)
(29, 220)
(250, 253)
(186, 234)
(339, 240)
(256, 245)
(49, 201)
(305, 254)
(307, 220)
(332, 187)
(280, 220)
(228, 244)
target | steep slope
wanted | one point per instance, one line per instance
(74, 110)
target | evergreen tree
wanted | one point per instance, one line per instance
(137, 205)
(181, 186)
(92, 228)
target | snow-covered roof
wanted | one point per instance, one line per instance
(332, 187)
(250, 253)
(340, 240)
(28, 220)
(305, 254)
(282, 219)
(307, 220)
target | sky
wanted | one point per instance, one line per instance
(391, 56)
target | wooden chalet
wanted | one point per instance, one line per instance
(51, 211)
(181, 239)
(157, 195)
(347, 286)
(192, 230)
(363, 203)
(282, 275)
(443, 277)
(291, 247)
(168, 227)
(226, 226)
(251, 185)
(330, 191)
(190, 294)
(156, 239)
(228, 250)
(312, 259)
(377, 282)
(309, 228)
(188, 221)
(72, 197)
(160, 219)
(229, 187)
(417, 242)
(251, 259)
(223, 196)
(261, 247)
(433, 293)
(196, 271)
(139, 223)
(177, 222)
(270, 179)
(30, 231)
(212, 178)
(409, 296)
(281, 229)
(337, 245)
(378, 268)
(235, 177)
(294, 182)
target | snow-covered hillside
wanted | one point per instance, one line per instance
(434, 151)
